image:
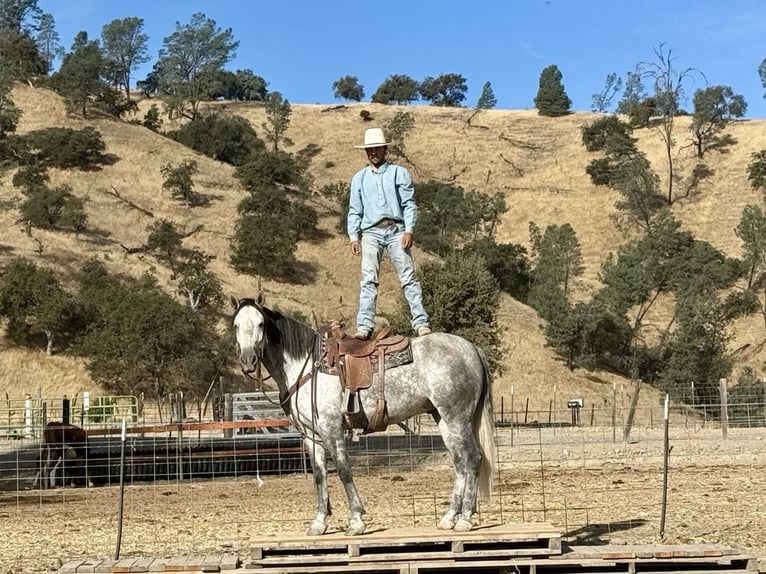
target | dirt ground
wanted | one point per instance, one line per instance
(594, 491)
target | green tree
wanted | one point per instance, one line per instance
(462, 298)
(199, 286)
(507, 262)
(20, 58)
(396, 89)
(190, 56)
(633, 94)
(34, 302)
(756, 171)
(551, 99)
(278, 112)
(266, 235)
(179, 181)
(557, 262)
(267, 169)
(164, 240)
(79, 78)
(397, 129)
(10, 114)
(445, 90)
(751, 231)
(152, 119)
(124, 48)
(66, 148)
(697, 350)
(144, 341)
(487, 99)
(48, 208)
(20, 16)
(227, 138)
(348, 88)
(47, 40)
(714, 107)
(602, 101)
(241, 86)
(609, 132)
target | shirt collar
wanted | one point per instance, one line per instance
(380, 169)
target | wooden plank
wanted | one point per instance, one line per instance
(175, 564)
(106, 566)
(194, 563)
(123, 565)
(158, 564)
(211, 563)
(89, 566)
(142, 564)
(71, 566)
(229, 562)
(377, 568)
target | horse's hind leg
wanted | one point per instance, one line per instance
(466, 460)
(318, 457)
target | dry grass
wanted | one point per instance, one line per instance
(539, 163)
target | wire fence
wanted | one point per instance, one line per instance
(208, 483)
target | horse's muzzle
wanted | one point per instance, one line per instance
(248, 362)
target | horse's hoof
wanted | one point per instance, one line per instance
(446, 524)
(317, 528)
(356, 528)
(463, 525)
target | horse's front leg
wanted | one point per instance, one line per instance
(356, 525)
(318, 456)
(53, 470)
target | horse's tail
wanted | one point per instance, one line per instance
(483, 430)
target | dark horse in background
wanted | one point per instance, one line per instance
(448, 378)
(64, 446)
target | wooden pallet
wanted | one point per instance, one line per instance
(210, 563)
(500, 540)
(689, 559)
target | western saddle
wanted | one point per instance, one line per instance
(356, 362)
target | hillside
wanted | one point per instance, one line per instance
(539, 162)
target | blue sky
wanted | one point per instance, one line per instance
(302, 47)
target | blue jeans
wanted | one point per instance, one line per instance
(375, 240)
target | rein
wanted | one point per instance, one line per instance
(300, 381)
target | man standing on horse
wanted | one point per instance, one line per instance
(381, 217)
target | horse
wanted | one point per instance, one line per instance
(448, 378)
(62, 443)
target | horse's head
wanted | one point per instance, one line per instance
(249, 330)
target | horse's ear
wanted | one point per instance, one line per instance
(260, 299)
(234, 301)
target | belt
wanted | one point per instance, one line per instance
(387, 223)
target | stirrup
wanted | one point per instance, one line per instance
(351, 403)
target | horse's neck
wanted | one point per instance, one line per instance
(285, 369)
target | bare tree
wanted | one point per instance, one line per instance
(669, 92)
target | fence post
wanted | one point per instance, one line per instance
(65, 410)
(85, 407)
(228, 414)
(28, 416)
(724, 408)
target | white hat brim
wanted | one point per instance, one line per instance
(365, 146)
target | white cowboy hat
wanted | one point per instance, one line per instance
(373, 137)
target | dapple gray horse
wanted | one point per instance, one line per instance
(449, 378)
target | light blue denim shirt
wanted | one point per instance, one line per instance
(375, 195)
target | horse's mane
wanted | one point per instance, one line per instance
(295, 338)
